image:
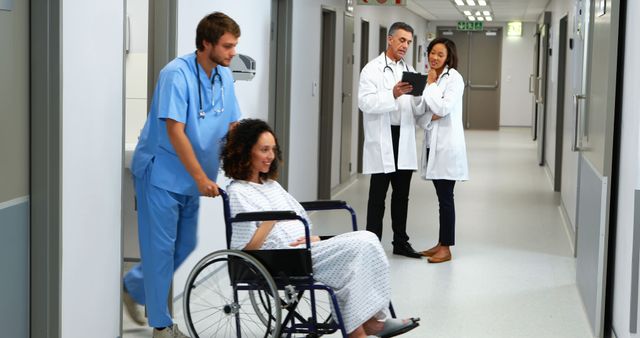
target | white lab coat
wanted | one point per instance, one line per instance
(376, 101)
(444, 137)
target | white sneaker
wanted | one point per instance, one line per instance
(169, 332)
(133, 310)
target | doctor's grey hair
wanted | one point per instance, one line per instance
(400, 25)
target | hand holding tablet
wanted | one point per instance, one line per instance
(417, 80)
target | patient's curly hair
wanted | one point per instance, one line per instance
(236, 150)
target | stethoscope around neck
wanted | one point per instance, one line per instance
(217, 111)
(386, 66)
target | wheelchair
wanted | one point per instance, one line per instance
(262, 293)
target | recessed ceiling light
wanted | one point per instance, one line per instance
(467, 13)
(459, 2)
(471, 3)
(478, 13)
(480, 18)
(489, 18)
(471, 18)
(482, 3)
(486, 12)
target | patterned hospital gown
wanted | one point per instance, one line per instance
(353, 264)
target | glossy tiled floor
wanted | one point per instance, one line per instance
(512, 273)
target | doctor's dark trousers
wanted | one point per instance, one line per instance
(400, 183)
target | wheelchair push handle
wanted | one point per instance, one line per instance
(332, 205)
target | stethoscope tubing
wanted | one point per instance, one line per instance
(213, 79)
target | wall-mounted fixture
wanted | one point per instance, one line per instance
(514, 28)
(243, 67)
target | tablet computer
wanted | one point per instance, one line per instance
(417, 80)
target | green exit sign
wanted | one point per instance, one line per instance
(470, 25)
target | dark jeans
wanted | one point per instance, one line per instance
(444, 189)
(400, 183)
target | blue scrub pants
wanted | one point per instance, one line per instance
(167, 227)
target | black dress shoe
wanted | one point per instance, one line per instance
(406, 250)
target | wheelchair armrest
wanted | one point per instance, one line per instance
(323, 205)
(265, 216)
(332, 205)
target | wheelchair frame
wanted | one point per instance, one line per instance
(263, 274)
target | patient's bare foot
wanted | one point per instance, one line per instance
(372, 326)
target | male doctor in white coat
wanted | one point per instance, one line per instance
(389, 136)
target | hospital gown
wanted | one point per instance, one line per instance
(353, 264)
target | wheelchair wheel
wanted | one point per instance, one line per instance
(220, 297)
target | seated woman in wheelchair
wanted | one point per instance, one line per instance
(353, 264)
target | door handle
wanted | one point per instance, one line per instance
(577, 131)
(539, 98)
(474, 86)
(531, 82)
(127, 47)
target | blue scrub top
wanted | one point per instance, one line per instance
(176, 97)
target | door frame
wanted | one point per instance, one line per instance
(544, 22)
(347, 110)
(364, 59)
(328, 31)
(560, 98)
(45, 239)
(280, 52)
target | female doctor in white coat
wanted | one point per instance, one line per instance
(444, 154)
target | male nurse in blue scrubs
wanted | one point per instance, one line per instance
(176, 162)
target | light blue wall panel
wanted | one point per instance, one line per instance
(14, 267)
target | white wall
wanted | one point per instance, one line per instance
(629, 179)
(255, 27)
(136, 61)
(517, 64)
(92, 100)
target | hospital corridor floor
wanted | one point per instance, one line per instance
(513, 270)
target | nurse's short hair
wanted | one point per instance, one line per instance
(400, 25)
(213, 26)
(236, 150)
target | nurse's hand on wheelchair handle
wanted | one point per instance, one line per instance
(303, 240)
(208, 188)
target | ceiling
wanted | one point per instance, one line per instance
(501, 10)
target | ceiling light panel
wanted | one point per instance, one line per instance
(471, 3)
